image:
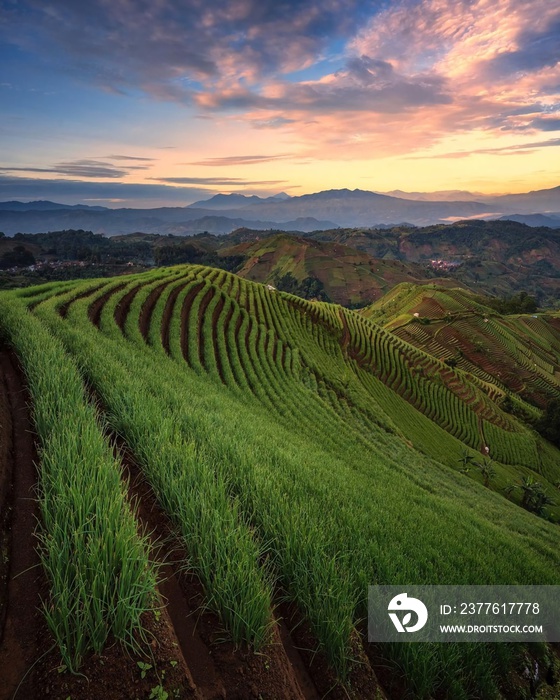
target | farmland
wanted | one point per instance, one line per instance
(293, 453)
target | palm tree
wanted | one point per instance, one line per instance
(531, 489)
(487, 470)
(542, 500)
(534, 498)
(465, 460)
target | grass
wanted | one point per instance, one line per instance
(97, 565)
(292, 469)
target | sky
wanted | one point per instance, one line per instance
(164, 102)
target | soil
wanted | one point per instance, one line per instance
(217, 667)
(148, 308)
(63, 310)
(121, 311)
(94, 311)
(20, 570)
(183, 651)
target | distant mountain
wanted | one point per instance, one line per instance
(225, 201)
(551, 220)
(225, 224)
(361, 208)
(235, 201)
(327, 209)
(42, 205)
(537, 201)
(440, 196)
(175, 220)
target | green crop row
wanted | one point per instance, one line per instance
(97, 565)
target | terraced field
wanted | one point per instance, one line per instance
(347, 275)
(519, 355)
(218, 460)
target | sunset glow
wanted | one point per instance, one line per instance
(143, 103)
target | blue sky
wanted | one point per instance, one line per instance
(153, 102)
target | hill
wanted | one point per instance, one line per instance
(297, 451)
(234, 201)
(330, 208)
(496, 257)
(341, 274)
(518, 353)
(45, 205)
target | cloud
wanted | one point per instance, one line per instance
(78, 168)
(71, 191)
(119, 157)
(227, 181)
(497, 58)
(171, 48)
(536, 48)
(545, 124)
(365, 84)
(388, 77)
(240, 160)
(273, 123)
(522, 148)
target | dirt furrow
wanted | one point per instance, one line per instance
(23, 578)
(63, 309)
(217, 668)
(121, 311)
(148, 308)
(95, 309)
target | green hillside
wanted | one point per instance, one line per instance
(519, 354)
(301, 451)
(347, 276)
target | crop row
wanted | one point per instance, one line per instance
(325, 540)
(96, 563)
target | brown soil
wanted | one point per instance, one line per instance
(121, 311)
(217, 668)
(362, 683)
(115, 674)
(148, 309)
(22, 576)
(63, 310)
(94, 311)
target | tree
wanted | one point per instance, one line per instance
(534, 498)
(18, 257)
(487, 470)
(465, 459)
(549, 425)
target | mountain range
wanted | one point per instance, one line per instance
(322, 210)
